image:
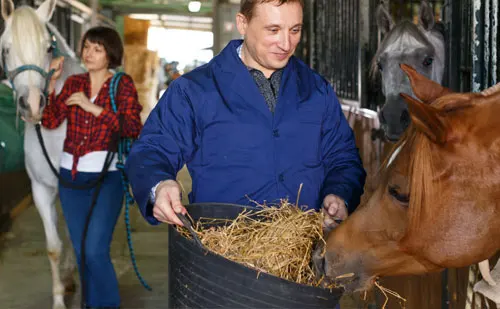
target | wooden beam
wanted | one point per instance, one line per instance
(87, 10)
(151, 8)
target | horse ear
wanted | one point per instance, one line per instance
(426, 16)
(7, 8)
(427, 120)
(383, 18)
(46, 9)
(425, 89)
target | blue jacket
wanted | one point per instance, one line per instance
(215, 119)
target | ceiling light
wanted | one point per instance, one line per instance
(144, 16)
(194, 6)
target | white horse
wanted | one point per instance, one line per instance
(27, 44)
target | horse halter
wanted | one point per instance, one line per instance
(11, 75)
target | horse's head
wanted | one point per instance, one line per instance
(420, 46)
(26, 53)
(437, 205)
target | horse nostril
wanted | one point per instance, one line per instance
(23, 103)
(318, 260)
(381, 117)
(405, 118)
(43, 102)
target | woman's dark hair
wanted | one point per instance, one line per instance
(110, 40)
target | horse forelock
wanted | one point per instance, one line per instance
(422, 180)
(413, 152)
(29, 37)
(61, 42)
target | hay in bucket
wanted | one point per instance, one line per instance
(275, 240)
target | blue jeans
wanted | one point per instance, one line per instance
(101, 284)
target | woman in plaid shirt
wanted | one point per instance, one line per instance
(85, 103)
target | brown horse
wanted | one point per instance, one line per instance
(438, 202)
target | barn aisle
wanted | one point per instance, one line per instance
(25, 279)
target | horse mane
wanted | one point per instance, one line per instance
(26, 26)
(423, 181)
(61, 42)
(422, 177)
(391, 37)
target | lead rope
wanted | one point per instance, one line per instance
(123, 149)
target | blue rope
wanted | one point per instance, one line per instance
(123, 149)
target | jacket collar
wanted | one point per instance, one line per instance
(242, 84)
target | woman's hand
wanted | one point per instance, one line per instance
(80, 99)
(56, 65)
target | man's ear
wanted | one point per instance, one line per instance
(241, 24)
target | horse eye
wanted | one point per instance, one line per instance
(379, 66)
(403, 198)
(428, 61)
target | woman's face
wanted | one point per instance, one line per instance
(94, 56)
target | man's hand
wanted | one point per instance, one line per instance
(334, 209)
(168, 202)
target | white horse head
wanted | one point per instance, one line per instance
(28, 44)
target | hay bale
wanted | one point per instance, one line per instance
(142, 65)
(135, 31)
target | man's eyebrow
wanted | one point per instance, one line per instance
(279, 26)
(273, 26)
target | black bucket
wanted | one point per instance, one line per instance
(201, 279)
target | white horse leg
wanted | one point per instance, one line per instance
(68, 264)
(484, 267)
(44, 198)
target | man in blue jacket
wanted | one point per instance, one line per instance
(252, 124)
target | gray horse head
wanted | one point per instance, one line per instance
(419, 46)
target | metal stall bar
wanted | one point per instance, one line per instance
(458, 26)
(477, 47)
(336, 48)
(494, 42)
(484, 44)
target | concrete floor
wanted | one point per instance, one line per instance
(25, 279)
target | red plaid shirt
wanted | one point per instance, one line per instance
(85, 132)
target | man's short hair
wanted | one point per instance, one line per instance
(247, 6)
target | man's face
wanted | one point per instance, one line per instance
(272, 35)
